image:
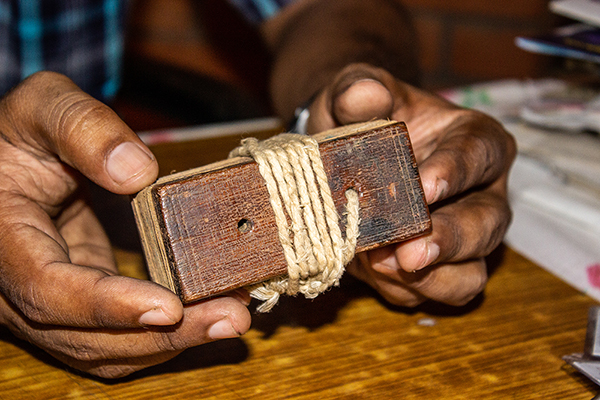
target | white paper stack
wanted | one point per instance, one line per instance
(554, 186)
(554, 191)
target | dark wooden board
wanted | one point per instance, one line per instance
(217, 231)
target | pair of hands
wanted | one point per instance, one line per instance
(59, 285)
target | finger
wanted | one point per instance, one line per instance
(454, 283)
(38, 278)
(365, 99)
(471, 227)
(358, 93)
(115, 353)
(450, 283)
(393, 291)
(48, 113)
(87, 242)
(117, 368)
(475, 150)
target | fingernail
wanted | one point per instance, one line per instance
(433, 252)
(441, 189)
(126, 161)
(222, 329)
(156, 316)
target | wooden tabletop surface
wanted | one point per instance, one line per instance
(348, 343)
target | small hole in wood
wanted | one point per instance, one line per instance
(355, 186)
(245, 225)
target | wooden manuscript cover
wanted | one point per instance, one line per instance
(211, 229)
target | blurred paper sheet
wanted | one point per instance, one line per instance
(554, 187)
(555, 224)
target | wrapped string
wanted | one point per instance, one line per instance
(313, 246)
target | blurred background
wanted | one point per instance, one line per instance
(197, 63)
(186, 53)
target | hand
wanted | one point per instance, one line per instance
(464, 158)
(59, 285)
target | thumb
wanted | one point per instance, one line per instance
(358, 93)
(48, 114)
(363, 100)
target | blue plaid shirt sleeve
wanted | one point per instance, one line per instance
(259, 10)
(79, 38)
(82, 39)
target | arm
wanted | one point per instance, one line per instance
(313, 40)
(355, 60)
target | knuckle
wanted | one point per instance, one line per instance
(33, 84)
(42, 78)
(486, 148)
(470, 160)
(40, 85)
(66, 345)
(72, 115)
(59, 111)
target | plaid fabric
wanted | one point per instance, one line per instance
(82, 39)
(259, 10)
(79, 38)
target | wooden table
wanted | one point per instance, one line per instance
(506, 344)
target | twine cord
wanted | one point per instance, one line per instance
(313, 246)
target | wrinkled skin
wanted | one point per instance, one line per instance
(463, 157)
(59, 284)
(60, 288)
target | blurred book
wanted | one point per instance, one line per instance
(587, 11)
(577, 41)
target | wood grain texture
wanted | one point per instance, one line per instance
(348, 344)
(191, 222)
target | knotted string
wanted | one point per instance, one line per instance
(313, 246)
